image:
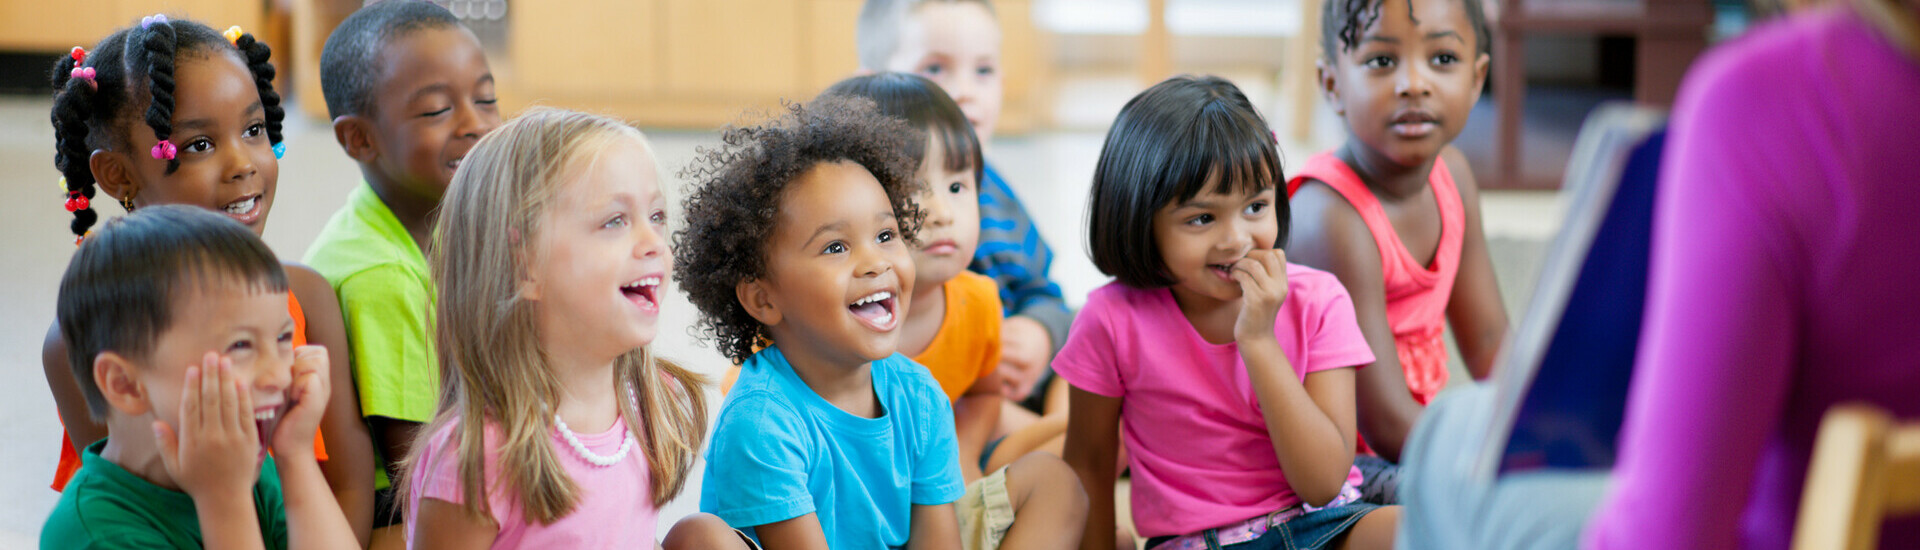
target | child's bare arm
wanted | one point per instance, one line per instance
(1093, 440)
(72, 406)
(445, 525)
(1475, 310)
(975, 415)
(212, 454)
(934, 528)
(314, 519)
(349, 468)
(801, 533)
(1329, 234)
(1310, 423)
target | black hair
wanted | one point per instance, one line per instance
(1163, 147)
(1342, 22)
(133, 61)
(737, 192)
(122, 286)
(349, 67)
(925, 107)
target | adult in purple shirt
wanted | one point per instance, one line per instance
(1786, 256)
(1785, 278)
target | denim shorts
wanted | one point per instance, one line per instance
(1309, 531)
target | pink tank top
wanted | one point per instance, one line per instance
(1416, 294)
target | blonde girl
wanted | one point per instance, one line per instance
(550, 250)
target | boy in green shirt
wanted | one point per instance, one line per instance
(410, 92)
(178, 334)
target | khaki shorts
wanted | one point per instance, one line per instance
(985, 512)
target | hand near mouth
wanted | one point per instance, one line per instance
(1263, 287)
(307, 397)
(214, 454)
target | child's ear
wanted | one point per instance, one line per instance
(1330, 86)
(355, 134)
(1480, 66)
(113, 172)
(758, 301)
(115, 377)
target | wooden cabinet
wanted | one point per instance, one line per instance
(59, 25)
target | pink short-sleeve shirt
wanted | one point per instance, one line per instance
(615, 507)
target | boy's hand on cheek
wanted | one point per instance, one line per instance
(1024, 346)
(1263, 287)
(308, 395)
(214, 453)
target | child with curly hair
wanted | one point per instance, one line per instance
(796, 251)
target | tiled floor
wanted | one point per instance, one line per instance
(1050, 171)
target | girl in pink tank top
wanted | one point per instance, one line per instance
(1394, 212)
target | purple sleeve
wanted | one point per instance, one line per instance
(1715, 354)
(1088, 359)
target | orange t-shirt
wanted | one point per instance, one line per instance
(70, 458)
(967, 346)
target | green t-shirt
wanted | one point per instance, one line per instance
(386, 301)
(106, 506)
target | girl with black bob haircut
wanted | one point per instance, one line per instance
(1211, 340)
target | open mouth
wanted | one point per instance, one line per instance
(876, 310)
(246, 209)
(1224, 271)
(266, 419)
(644, 293)
(454, 165)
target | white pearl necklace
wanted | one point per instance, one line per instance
(626, 445)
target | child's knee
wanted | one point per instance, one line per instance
(1042, 475)
(702, 531)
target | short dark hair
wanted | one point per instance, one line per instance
(737, 191)
(1161, 150)
(1342, 22)
(925, 107)
(133, 62)
(122, 286)
(349, 67)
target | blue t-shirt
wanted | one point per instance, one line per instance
(781, 452)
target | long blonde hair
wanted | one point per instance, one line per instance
(492, 366)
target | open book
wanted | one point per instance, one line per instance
(1562, 382)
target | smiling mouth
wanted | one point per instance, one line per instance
(454, 165)
(1224, 271)
(876, 310)
(266, 419)
(643, 292)
(243, 207)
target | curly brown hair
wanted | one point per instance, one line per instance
(737, 190)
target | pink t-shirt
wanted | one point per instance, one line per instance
(1196, 441)
(615, 507)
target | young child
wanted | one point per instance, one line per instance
(173, 112)
(1395, 212)
(551, 248)
(796, 250)
(182, 344)
(956, 44)
(1208, 340)
(410, 92)
(954, 324)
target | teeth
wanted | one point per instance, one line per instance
(649, 281)
(883, 319)
(265, 415)
(875, 297)
(242, 207)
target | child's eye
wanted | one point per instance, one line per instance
(1202, 219)
(256, 129)
(1378, 62)
(933, 70)
(442, 111)
(286, 337)
(985, 70)
(835, 247)
(199, 145)
(885, 236)
(658, 217)
(618, 220)
(956, 187)
(1255, 208)
(1446, 59)
(243, 345)
(487, 101)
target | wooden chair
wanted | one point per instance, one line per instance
(1865, 468)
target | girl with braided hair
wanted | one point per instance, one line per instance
(174, 112)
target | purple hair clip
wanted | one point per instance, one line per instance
(85, 73)
(151, 20)
(163, 150)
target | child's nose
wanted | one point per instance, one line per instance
(872, 262)
(1414, 81)
(1239, 236)
(240, 165)
(273, 371)
(474, 123)
(939, 213)
(650, 242)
